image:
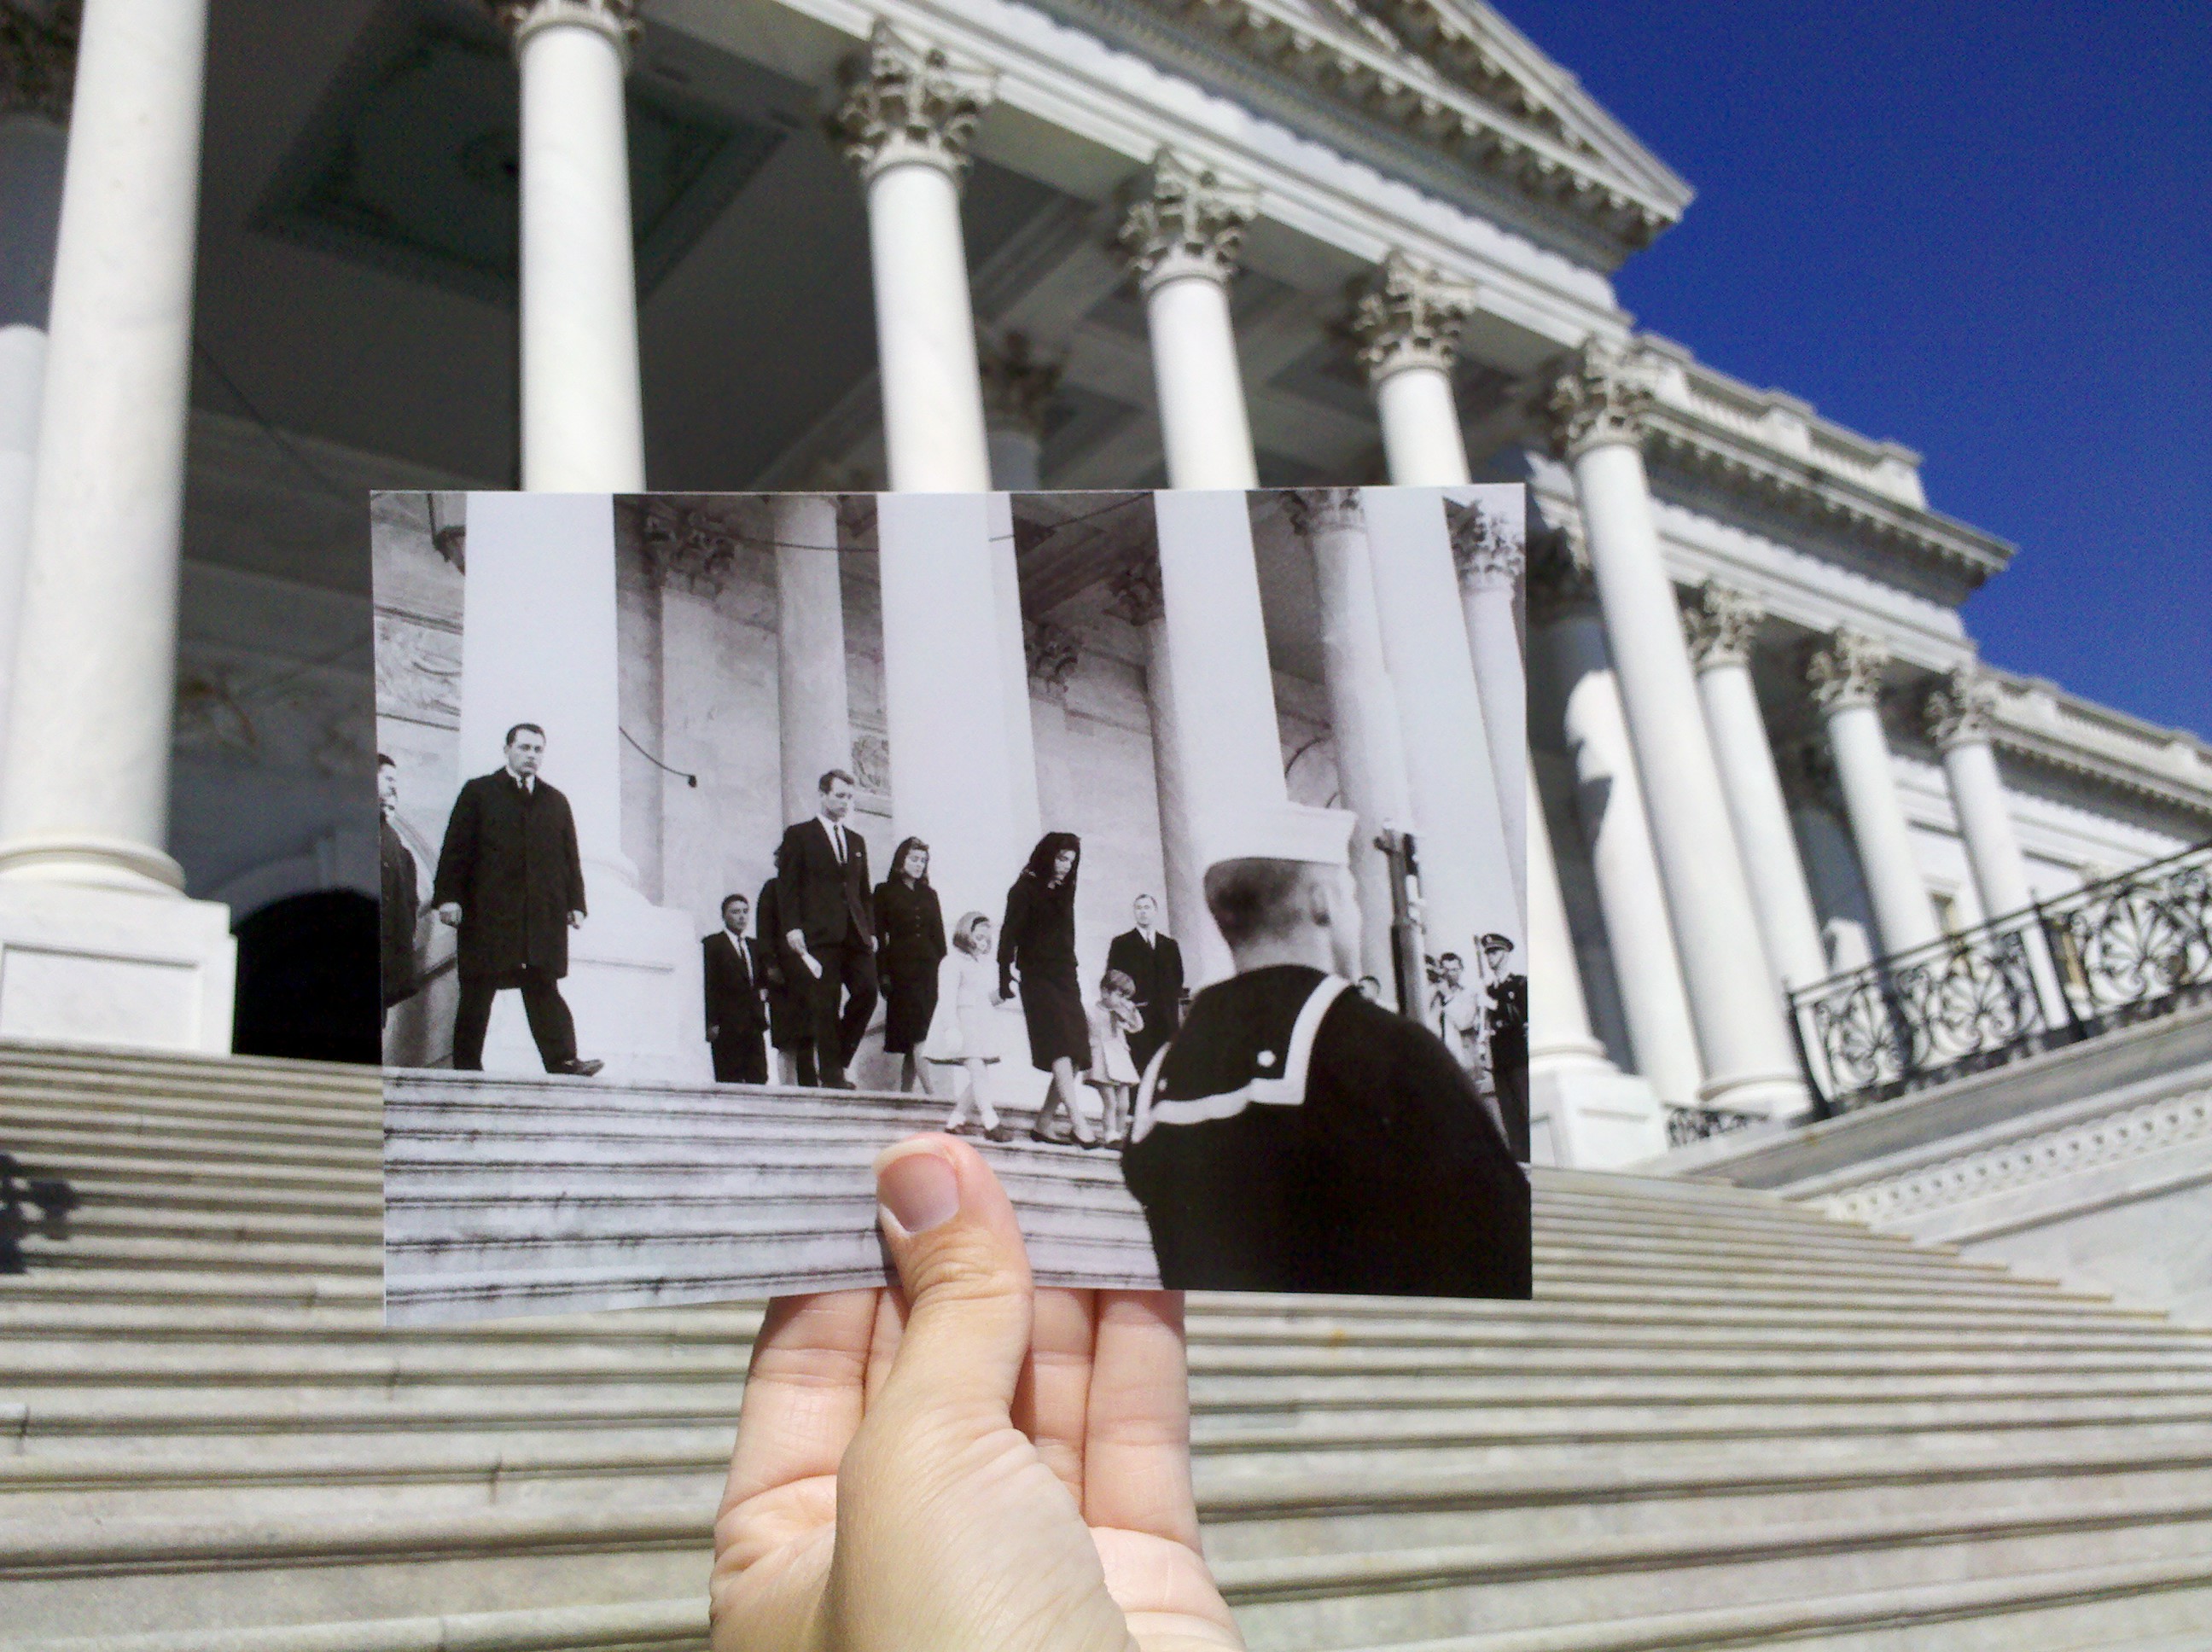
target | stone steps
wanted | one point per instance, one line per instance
(1726, 1420)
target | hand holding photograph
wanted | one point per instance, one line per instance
(1141, 837)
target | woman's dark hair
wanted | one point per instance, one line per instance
(898, 860)
(1047, 851)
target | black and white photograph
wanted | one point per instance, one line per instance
(1168, 845)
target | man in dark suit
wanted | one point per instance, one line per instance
(511, 880)
(734, 1020)
(790, 1010)
(826, 905)
(1154, 962)
(401, 905)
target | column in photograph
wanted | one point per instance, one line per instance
(539, 645)
(1654, 998)
(100, 946)
(951, 785)
(1597, 406)
(813, 710)
(1722, 626)
(1228, 744)
(1137, 599)
(1406, 319)
(34, 100)
(1846, 681)
(1018, 386)
(1051, 653)
(1491, 559)
(1363, 704)
(905, 124)
(1467, 887)
(1013, 658)
(1181, 227)
(1831, 865)
(583, 420)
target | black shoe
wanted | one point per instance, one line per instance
(999, 1132)
(837, 1081)
(578, 1069)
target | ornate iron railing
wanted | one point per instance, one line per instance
(2114, 951)
(1687, 1124)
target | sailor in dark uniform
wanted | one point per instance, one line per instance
(1295, 1136)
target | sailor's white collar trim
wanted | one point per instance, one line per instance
(1288, 1089)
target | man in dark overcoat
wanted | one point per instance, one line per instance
(401, 905)
(827, 907)
(790, 1010)
(511, 880)
(1154, 962)
(734, 1020)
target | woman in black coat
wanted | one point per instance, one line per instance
(1036, 944)
(909, 945)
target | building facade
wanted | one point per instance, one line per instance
(738, 245)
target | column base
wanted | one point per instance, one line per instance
(89, 965)
(1771, 1095)
(635, 989)
(1585, 1114)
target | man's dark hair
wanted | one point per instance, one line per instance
(1450, 957)
(1252, 898)
(521, 728)
(383, 762)
(830, 776)
(747, 899)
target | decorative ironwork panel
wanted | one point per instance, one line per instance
(1687, 1124)
(2138, 944)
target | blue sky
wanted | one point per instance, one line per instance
(1984, 230)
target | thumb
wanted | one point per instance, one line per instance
(951, 1234)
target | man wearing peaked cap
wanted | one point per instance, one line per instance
(1295, 1136)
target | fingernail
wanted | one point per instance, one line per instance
(920, 1190)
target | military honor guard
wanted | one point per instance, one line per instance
(1294, 1135)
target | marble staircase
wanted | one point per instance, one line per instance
(1726, 1421)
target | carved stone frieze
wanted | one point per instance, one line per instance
(1848, 671)
(1489, 552)
(688, 550)
(907, 101)
(1183, 220)
(418, 671)
(1408, 314)
(1600, 396)
(1960, 712)
(38, 57)
(871, 763)
(1722, 626)
(1138, 597)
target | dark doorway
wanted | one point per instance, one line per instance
(306, 979)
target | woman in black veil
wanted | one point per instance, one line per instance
(1036, 946)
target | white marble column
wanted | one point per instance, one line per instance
(1182, 228)
(1013, 669)
(1631, 898)
(34, 151)
(1051, 653)
(813, 710)
(1227, 738)
(94, 943)
(539, 645)
(953, 783)
(1406, 319)
(1846, 681)
(1138, 600)
(1363, 702)
(1018, 386)
(905, 123)
(1722, 627)
(1958, 716)
(583, 419)
(1492, 558)
(1751, 1066)
(1467, 884)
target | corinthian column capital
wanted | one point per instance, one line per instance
(1559, 579)
(1138, 597)
(616, 19)
(1960, 712)
(1408, 314)
(1182, 220)
(1323, 510)
(1848, 671)
(907, 101)
(1722, 626)
(1053, 651)
(38, 58)
(1601, 396)
(1488, 554)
